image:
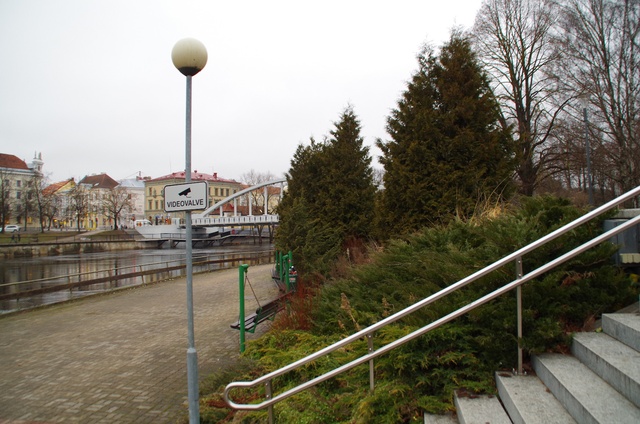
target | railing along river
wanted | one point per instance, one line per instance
(27, 294)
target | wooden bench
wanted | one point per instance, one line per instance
(263, 313)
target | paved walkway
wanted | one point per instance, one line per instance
(120, 357)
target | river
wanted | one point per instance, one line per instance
(56, 270)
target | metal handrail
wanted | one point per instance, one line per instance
(368, 332)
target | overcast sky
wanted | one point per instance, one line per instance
(90, 83)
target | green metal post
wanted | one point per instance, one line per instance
(290, 259)
(289, 265)
(244, 268)
(278, 262)
(285, 271)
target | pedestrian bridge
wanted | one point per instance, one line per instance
(205, 220)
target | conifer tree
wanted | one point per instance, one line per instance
(348, 181)
(448, 150)
(330, 196)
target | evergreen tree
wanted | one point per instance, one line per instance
(348, 179)
(330, 196)
(448, 151)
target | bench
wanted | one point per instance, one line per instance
(263, 313)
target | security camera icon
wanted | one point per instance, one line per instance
(185, 192)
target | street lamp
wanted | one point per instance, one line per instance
(189, 56)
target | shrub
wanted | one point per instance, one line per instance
(422, 374)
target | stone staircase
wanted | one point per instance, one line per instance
(599, 383)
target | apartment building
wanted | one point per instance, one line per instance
(15, 185)
(218, 188)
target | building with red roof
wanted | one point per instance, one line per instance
(59, 198)
(15, 178)
(218, 188)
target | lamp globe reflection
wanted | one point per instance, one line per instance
(189, 56)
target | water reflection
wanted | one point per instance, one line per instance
(69, 269)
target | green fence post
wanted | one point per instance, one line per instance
(285, 271)
(241, 272)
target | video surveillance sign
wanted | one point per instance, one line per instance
(185, 197)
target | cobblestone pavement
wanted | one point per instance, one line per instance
(120, 357)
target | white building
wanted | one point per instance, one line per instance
(135, 188)
(15, 179)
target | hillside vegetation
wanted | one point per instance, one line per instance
(421, 375)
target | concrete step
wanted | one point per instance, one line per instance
(527, 400)
(587, 397)
(474, 409)
(599, 384)
(623, 327)
(440, 419)
(613, 361)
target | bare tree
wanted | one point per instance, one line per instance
(78, 203)
(512, 38)
(6, 202)
(257, 197)
(26, 204)
(601, 39)
(115, 201)
(52, 203)
(39, 201)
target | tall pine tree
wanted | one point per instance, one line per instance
(448, 150)
(349, 178)
(330, 196)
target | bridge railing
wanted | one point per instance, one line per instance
(236, 220)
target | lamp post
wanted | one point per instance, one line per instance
(189, 56)
(588, 149)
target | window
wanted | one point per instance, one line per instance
(150, 192)
(227, 192)
(18, 195)
(150, 204)
(18, 183)
(216, 191)
(156, 204)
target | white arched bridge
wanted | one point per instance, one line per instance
(204, 220)
(209, 228)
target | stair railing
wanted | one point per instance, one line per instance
(368, 332)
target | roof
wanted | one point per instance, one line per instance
(99, 181)
(132, 183)
(195, 176)
(12, 162)
(271, 190)
(55, 187)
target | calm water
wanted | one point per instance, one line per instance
(62, 269)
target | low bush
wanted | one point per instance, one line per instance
(463, 354)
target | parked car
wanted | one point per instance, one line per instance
(11, 228)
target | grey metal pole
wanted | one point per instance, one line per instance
(519, 275)
(192, 356)
(588, 149)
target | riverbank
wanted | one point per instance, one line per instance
(37, 249)
(29, 244)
